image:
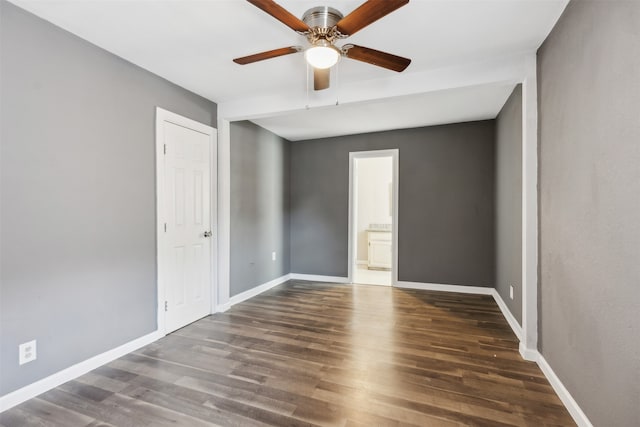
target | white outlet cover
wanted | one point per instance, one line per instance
(273, 256)
(511, 291)
(27, 352)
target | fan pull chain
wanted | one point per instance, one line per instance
(307, 106)
(337, 83)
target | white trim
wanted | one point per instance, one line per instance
(160, 286)
(352, 227)
(477, 290)
(221, 308)
(362, 262)
(224, 212)
(34, 389)
(236, 299)
(162, 116)
(529, 207)
(213, 188)
(177, 119)
(511, 320)
(396, 217)
(321, 279)
(527, 354)
(352, 233)
(569, 402)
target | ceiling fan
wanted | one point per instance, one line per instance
(323, 26)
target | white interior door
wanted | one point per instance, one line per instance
(186, 248)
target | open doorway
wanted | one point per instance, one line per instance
(373, 213)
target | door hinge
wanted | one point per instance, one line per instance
(166, 306)
(165, 148)
(165, 227)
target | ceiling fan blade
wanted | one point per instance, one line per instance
(367, 13)
(281, 14)
(376, 57)
(321, 77)
(267, 55)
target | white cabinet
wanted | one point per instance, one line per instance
(379, 249)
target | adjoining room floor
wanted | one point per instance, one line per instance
(307, 354)
(364, 276)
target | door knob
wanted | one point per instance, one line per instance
(208, 234)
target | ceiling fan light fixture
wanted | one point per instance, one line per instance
(322, 26)
(322, 56)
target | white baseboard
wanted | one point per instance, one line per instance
(236, 299)
(515, 326)
(322, 279)
(478, 290)
(34, 389)
(530, 354)
(221, 308)
(569, 402)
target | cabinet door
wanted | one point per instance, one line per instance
(379, 253)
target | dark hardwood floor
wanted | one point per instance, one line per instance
(308, 354)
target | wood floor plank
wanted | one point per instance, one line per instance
(317, 354)
(38, 412)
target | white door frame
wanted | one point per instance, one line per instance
(353, 215)
(167, 116)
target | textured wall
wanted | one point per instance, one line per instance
(260, 164)
(446, 206)
(78, 261)
(509, 202)
(589, 89)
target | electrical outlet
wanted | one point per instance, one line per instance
(27, 352)
(273, 256)
(511, 291)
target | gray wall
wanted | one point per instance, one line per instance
(589, 89)
(78, 269)
(260, 162)
(446, 208)
(509, 202)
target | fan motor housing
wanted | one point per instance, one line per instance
(322, 17)
(322, 22)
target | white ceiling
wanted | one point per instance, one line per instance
(192, 43)
(431, 108)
